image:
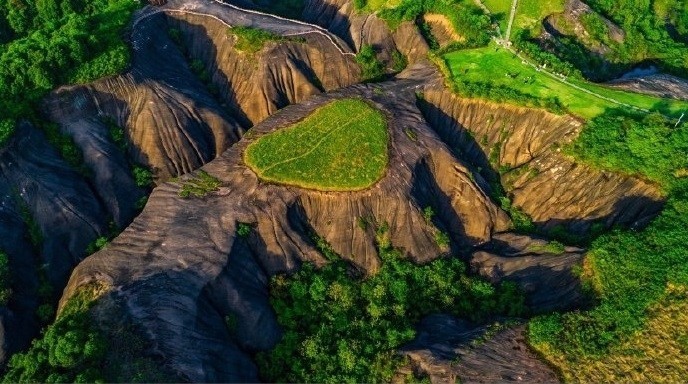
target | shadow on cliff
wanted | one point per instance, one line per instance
(198, 47)
(573, 231)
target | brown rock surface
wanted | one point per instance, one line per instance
(183, 253)
(450, 350)
(357, 28)
(172, 123)
(525, 145)
(660, 85)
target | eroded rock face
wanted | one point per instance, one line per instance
(542, 270)
(184, 253)
(448, 349)
(180, 268)
(570, 23)
(357, 29)
(660, 85)
(172, 122)
(525, 147)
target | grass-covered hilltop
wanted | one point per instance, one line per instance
(344, 191)
(340, 147)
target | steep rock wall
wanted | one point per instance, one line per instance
(524, 145)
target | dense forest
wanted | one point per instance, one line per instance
(47, 43)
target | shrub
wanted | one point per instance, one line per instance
(251, 40)
(199, 186)
(142, 176)
(243, 230)
(371, 68)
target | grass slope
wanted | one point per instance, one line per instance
(499, 67)
(341, 146)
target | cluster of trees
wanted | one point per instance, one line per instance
(629, 270)
(648, 146)
(79, 348)
(372, 69)
(341, 327)
(71, 349)
(47, 43)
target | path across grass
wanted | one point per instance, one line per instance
(499, 66)
(339, 147)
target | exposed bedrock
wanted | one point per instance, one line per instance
(524, 146)
(180, 268)
(49, 213)
(357, 29)
(448, 350)
(172, 121)
(660, 85)
(542, 271)
(176, 121)
(256, 85)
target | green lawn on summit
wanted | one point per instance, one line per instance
(342, 146)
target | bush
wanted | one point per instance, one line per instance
(371, 68)
(6, 130)
(142, 176)
(200, 185)
(251, 40)
(243, 230)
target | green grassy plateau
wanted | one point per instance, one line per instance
(340, 147)
(500, 67)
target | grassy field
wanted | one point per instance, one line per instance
(529, 13)
(500, 67)
(500, 9)
(340, 147)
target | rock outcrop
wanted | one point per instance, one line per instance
(172, 121)
(180, 269)
(660, 85)
(358, 28)
(524, 146)
(449, 350)
(187, 269)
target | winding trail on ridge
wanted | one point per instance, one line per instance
(232, 15)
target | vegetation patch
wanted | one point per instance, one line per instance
(341, 146)
(340, 327)
(638, 276)
(70, 350)
(465, 17)
(371, 68)
(495, 73)
(78, 348)
(5, 279)
(199, 186)
(251, 40)
(44, 44)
